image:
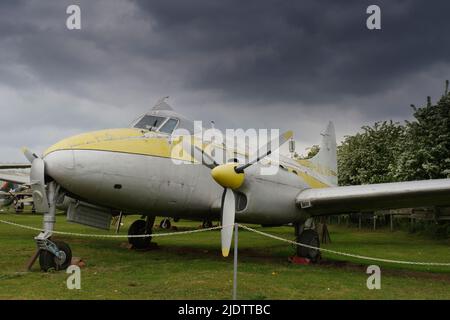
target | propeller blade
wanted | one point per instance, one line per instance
(198, 153)
(29, 155)
(265, 151)
(228, 213)
(37, 181)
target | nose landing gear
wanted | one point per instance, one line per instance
(55, 255)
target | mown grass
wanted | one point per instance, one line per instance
(191, 266)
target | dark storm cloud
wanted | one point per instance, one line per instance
(286, 64)
(312, 51)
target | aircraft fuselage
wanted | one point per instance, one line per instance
(133, 171)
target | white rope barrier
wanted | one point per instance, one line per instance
(361, 257)
(88, 235)
(344, 253)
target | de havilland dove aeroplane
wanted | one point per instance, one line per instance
(132, 171)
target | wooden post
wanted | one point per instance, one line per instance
(325, 234)
(392, 222)
(33, 259)
(359, 222)
(374, 222)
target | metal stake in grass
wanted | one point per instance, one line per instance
(236, 228)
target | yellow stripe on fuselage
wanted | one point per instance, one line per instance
(317, 168)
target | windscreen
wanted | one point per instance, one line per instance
(169, 126)
(149, 122)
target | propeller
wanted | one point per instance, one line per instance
(37, 181)
(29, 155)
(230, 176)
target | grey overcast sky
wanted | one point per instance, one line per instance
(288, 64)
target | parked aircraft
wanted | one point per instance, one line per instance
(18, 195)
(6, 198)
(132, 171)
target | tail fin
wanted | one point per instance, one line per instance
(326, 160)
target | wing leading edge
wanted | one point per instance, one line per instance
(335, 200)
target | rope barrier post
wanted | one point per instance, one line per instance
(236, 228)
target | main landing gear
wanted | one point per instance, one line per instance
(53, 255)
(140, 227)
(207, 224)
(307, 235)
(165, 224)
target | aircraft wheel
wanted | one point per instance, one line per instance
(311, 238)
(48, 261)
(138, 228)
(165, 224)
(207, 224)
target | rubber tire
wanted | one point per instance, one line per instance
(136, 228)
(207, 224)
(311, 238)
(47, 260)
(165, 224)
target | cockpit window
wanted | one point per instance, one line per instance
(169, 126)
(149, 122)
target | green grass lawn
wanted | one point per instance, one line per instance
(191, 266)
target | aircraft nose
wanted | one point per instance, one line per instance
(59, 164)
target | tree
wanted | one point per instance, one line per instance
(312, 152)
(388, 151)
(370, 156)
(425, 148)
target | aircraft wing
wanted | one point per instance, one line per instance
(336, 200)
(15, 177)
